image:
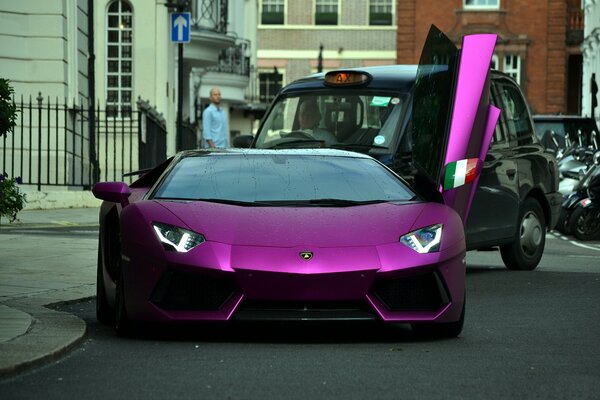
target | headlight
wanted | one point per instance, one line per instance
(176, 238)
(424, 240)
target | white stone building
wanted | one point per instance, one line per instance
(591, 58)
(109, 54)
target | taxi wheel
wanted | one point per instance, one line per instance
(104, 313)
(525, 252)
(440, 330)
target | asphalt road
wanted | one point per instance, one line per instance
(527, 335)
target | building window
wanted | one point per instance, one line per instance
(380, 12)
(326, 12)
(482, 4)
(119, 58)
(512, 66)
(494, 62)
(272, 12)
(270, 84)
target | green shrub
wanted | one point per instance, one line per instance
(11, 199)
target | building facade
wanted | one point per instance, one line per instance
(85, 69)
(591, 60)
(538, 42)
(300, 37)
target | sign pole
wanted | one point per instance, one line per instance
(179, 131)
(180, 33)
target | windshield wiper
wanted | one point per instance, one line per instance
(229, 201)
(343, 202)
(359, 146)
(294, 142)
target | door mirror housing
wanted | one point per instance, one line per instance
(115, 192)
(243, 141)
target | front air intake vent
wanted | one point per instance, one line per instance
(423, 292)
(191, 292)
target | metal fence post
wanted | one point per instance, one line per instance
(40, 99)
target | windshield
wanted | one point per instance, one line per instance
(282, 178)
(338, 119)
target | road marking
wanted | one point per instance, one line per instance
(575, 243)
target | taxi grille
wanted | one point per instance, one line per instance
(191, 292)
(424, 292)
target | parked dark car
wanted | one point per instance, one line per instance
(372, 110)
(553, 131)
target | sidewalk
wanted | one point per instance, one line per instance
(40, 267)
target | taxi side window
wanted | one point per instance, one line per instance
(515, 113)
(500, 139)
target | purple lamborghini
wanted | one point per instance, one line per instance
(313, 234)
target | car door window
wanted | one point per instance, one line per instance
(516, 113)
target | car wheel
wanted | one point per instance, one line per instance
(525, 252)
(104, 313)
(440, 330)
(586, 223)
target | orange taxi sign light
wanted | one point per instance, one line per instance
(346, 78)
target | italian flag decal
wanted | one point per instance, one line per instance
(460, 172)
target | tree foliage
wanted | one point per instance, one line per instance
(8, 109)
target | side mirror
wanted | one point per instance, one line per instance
(115, 192)
(243, 141)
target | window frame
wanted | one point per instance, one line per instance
(270, 71)
(381, 4)
(327, 3)
(121, 107)
(513, 72)
(273, 3)
(481, 6)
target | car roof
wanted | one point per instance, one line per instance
(328, 152)
(385, 77)
(397, 77)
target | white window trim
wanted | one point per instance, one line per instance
(496, 61)
(480, 7)
(510, 71)
(119, 58)
(339, 15)
(259, 71)
(285, 16)
(368, 14)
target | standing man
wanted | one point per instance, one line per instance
(215, 127)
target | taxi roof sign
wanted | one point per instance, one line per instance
(347, 78)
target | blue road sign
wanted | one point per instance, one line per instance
(180, 27)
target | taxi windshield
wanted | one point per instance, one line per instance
(359, 121)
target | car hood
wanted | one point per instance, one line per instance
(365, 225)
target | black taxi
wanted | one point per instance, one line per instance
(372, 110)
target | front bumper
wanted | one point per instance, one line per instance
(182, 287)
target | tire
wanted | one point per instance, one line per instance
(105, 314)
(526, 251)
(586, 223)
(571, 222)
(446, 330)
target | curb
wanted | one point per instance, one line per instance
(51, 335)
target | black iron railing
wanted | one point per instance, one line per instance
(55, 144)
(210, 15)
(234, 60)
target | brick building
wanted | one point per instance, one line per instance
(352, 33)
(538, 44)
